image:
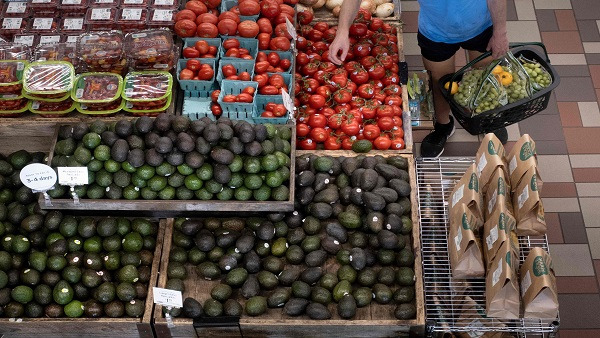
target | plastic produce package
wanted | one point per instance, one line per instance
(116, 107)
(102, 51)
(97, 90)
(56, 52)
(11, 76)
(147, 87)
(511, 74)
(491, 94)
(14, 51)
(52, 109)
(48, 80)
(538, 75)
(467, 87)
(151, 49)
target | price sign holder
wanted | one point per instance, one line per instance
(169, 299)
(287, 101)
(39, 178)
(73, 176)
(292, 32)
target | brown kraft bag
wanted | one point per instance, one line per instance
(497, 230)
(538, 286)
(497, 194)
(490, 156)
(521, 158)
(501, 283)
(464, 248)
(466, 191)
(529, 210)
(472, 317)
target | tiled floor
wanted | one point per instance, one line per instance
(567, 136)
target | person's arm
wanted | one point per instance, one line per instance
(499, 42)
(341, 44)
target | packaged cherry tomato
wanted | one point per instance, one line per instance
(56, 52)
(101, 18)
(18, 9)
(132, 19)
(12, 26)
(148, 110)
(133, 3)
(161, 18)
(74, 8)
(48, 80)
(72, 25)
(12, 104)
(50, 39)
(113, 109)
(44, 7)
(20, 106)
(165, 4)
(43, 25)
(97, 90)
(14, 51)
(148, 86)
(52, 109)
(11, 78)
(150, 49)
(27, 39)
(102, 52)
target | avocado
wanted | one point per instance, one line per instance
(256, 306)
(320, 210)
(320, 295)
(337, 231)
(386, 276)
(192, 308)
(405, 311)
(205, 241)
(362, 146)
(323, 164)
(349, 220)
(387, 239)
(358, 259)
(232, 308)
(237, 277)
(252, 262)
(222, 156)
(305, 178)
(347, 307)
(294, 254)
(221, 292)
(250, 288)
(295, 306)
(135, 308)
(318, 311)
(400, 186)
(123, 128)
(267, 280)
(175, 284)
(62, 293)
(273, 264)
(288, 276)
(368, 180)
(404, 294)
(162, 122)
(373, 201)
(331, 245)
(390, 172)
(383, 294)
(279, 297)
(405, 276)
(209, 270)
(311, 275)
(315, 258)
(329, 195)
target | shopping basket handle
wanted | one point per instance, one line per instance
(487, 54)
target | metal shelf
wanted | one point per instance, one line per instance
(444, 296)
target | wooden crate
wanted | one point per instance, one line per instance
(92, 327)
(324, 14)
(173, 208)
(373, 321)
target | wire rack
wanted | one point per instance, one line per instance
(445, 296)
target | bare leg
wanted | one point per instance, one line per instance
(474, 54)
(439, 69)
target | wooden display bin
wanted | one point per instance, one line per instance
(371, 321)
(92, 327)
(324, 14)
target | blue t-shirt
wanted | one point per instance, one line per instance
(453, 21)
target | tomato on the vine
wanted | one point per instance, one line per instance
(382, 143)
(302, 129)
(316, 101)
(371, 131)
(308, 144)
(319, 134)
(342, 96)
(366, 91)
(350, 128)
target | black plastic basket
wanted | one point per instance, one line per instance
(500, 117)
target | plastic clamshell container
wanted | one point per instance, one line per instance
(150, 49)
(250, 44)
(226, 5)
(50, 39)
(235, 88)
(196, 85)
(11, 104)
(15, 51)
(72, 25)
(159, 17)
(44, 6)
(19, 9)
(97, 88)
(133, 3)
(261, 103)
(240, 65)
(147, 86)
(48, 78)
(165, 4)
(74, 8)
(15, 112)
(56, 52)
(27, 39)
(11, 74)
(190, 42)
(51, 109)
(12, 26)
(132, 19)
(102, 51)
(42, 25)
(130, 107)
(82, 108)
(101, 18)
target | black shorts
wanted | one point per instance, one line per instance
(440, 51)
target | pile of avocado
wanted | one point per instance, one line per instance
(55, 265)
(171, 157)
(347, 245)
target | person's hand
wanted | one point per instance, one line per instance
(498, 44)
(340, 44)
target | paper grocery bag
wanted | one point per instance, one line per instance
(538, 285)
(490, 156)
(497, 194)
(467, 191)
(529, 210)
(521, 158)
(472, 315)
(464, 248)
(501, 284)
(497, 230)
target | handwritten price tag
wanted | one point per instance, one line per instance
(291, 29)
(72, 176)
(287, 101)
(166, 297)
(38, 177)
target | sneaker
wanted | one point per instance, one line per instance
(501, 134)
(433, 144)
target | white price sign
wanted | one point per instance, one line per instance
(72, 176)
(73, 23)
(26, 40)
(38, 177)
(166, 297)
(162, 15)
(42, 23)
(287, 101)
(131, 13)
(291, 29)
(49, 39)
(16, 7)
(100, 14)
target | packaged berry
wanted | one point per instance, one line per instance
(97, 90)
(113, 109)
(132, 19)
(48, 80)
(43, 25)
(102, 51)
(19, 9)
(11, 78)
(74, 8)
(158, 18)
(72, 25)
(12, 26)
(150, 49)
(14, 51)
(44, 7)
(148, 86)
(101, 18)
(165, 4)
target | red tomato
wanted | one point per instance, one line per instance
(215, 95)
(394, 100)
(289, 10)
(196, 6)
(248, 29)
(233, 52)
(301, 43)
(371, 131)
(302, 129)
(308, 144)
(206, 72)
(279, 110)
(227, 27)
(208, 18)
(231, 43)
(212, 3)
(347, 143)
(269, 9)
(244, 76)
(397, 143)
(319, 134)
(264, 39)
(335, 121)
(342, 96)
(350, 128)
(321, 26)
(305, 17)
(186, 74)
(267, 114)
(229, 98)
(268, 90)
(248, 7)
(215, 108)
(366, 91)
(201, 46)
(245, 98)
(249, 90)
(273, 59)
(261, 67)
(316, 101)
(285, 64)
(212, 50)
(363, 16)
(262, 80)
(229, 15)
(280, 43)
(185, 14)
(193, 65)
(264, 26)
(190, 52)
(392, 89)
(281, 30)
(228, 70)
(358, 29)
(376, 24)
(383, 111)
(376, 72)
(277, 81)
(385, 123)
(361, 49)
(207, 30)
(185, 28)
(333, 143)
(382, 143)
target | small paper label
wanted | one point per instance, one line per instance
(167, 297)
(457, 240)
(287, 101)
(497, 273)
(41, 1)
(458, 195)
(35, 104)
(79, 93)
(162, 15)
(131, 13)
(492, 201)
(49, 39)
(38, 177)
(133, 2)
(12, 23)
(525, 283)
(291, 29)
(73, 24)
(105, 1)
(72, 2)
(26, 40)
(16, 7)
(42, 23)
(72, 176)
(100, 14)
(512, 165)
(523, 197)
(72, 39)
(492, 237)
(163, 2)
(481, 164)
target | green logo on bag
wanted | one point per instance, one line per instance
(539, 266)
(533, 183)
(502, 221)
(527, 151)
(474, 183)
(465, 222)
(491, 148)
(508, 259)
(501, 186)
